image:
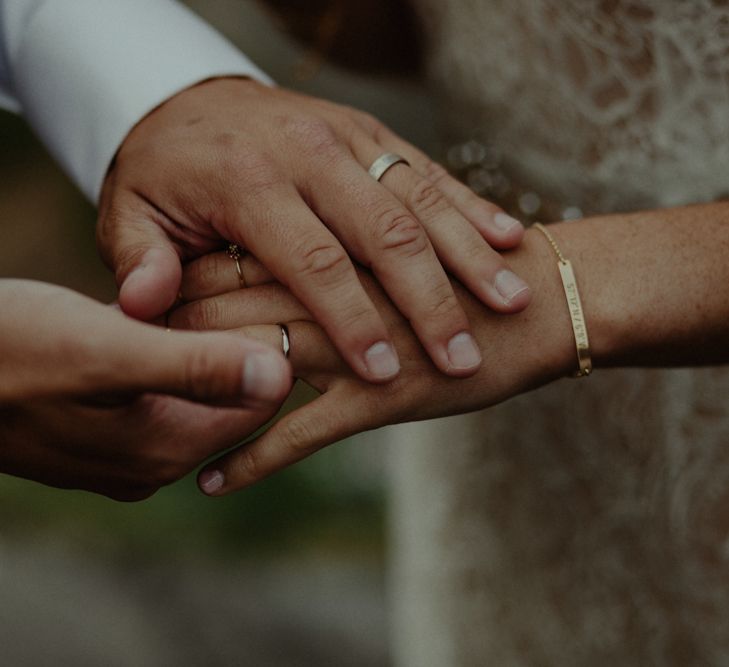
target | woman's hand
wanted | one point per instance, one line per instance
(520, 352)
(285, 176)
(655, 291)
(90, 399)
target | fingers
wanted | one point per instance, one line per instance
(246, 311)
(216, 273)
(306, 257)
(255, 305)
(322, 422)
(460, 247)
(384, 234)
(499, 229)
(144, 260)
(312, 356)
(346, 406)
(457, 242)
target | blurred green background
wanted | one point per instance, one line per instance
(289, 572)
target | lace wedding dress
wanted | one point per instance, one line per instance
(586, 523)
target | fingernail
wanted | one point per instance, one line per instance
(509, 285)
(382, 361)
(130, 282)
(463, 351)
(262, 376)
(211, 481)
(505, 222)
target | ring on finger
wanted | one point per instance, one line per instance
(235, 252)
(285, 339)
(384, 162)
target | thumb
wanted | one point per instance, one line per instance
(59, 343)
(143, 258)
(152, 282)
(215, 368)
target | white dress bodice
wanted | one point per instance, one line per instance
(595, 531)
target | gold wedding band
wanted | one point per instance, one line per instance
(384, 162)
(285, 340)
(235, 252)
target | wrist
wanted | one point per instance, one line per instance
(606, 295)
(545, 327)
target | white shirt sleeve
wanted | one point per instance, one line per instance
(83, 72)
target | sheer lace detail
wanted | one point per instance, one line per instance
(607, 104)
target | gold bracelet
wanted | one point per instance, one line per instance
(574, 305)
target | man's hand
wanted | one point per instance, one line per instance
(91, 399)
(285, 176)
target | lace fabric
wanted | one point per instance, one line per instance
(592, 533)
(595, 532)
(607, 104)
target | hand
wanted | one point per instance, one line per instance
(91, 399)
(633, 289)
(285, 176)
(521, 352)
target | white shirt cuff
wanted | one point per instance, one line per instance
(84, 72)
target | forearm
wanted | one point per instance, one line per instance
(654, 286)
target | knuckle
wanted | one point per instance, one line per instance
(244, 167)
(377, 130)
(207, 273)
(353, 318)
(444, 304)
(199, 377)
(366, 120)
(297, 436)
(398, 230)
(426, 200)
(249, 465)
(314, 136)
(435, 172)
(201, 316)
(327, 262)
(480, 257)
